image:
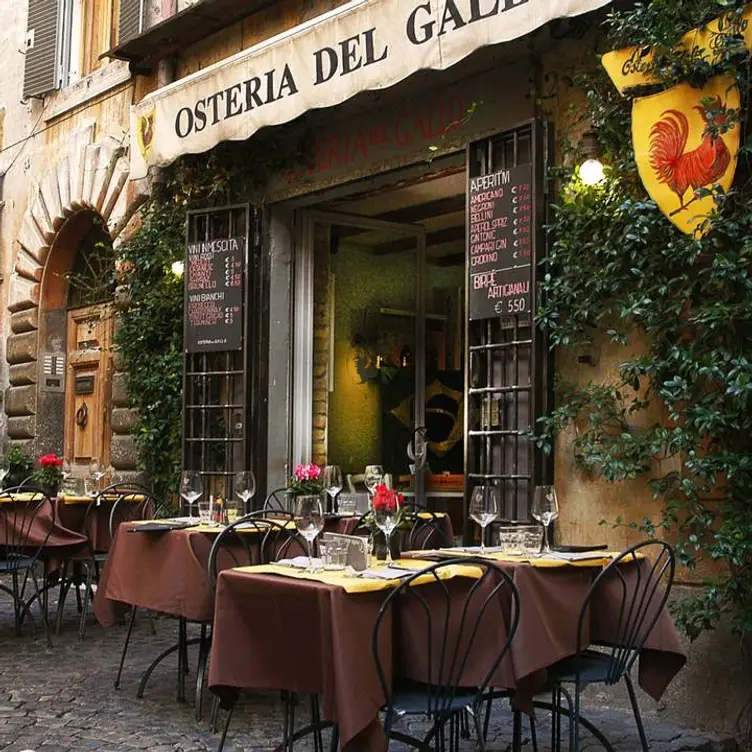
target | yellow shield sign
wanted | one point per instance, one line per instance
(686, 140)
(145, 133)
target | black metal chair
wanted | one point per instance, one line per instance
(21, 545)
(427, 531)
(253, 539)
(452, 627)
(277, 501)
(643, 575)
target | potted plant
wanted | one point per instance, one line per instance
(49, 476)
(20, 467)
(305, 481)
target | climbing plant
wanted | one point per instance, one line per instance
(618, 269)
(149, 336)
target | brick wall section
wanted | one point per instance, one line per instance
(322, 291)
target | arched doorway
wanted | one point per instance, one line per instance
(76, 323)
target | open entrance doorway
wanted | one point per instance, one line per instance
(384, 337)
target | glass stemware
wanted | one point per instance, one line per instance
(66, 469)
(386, 517)
(545, 509)
(484, 509)
(309, 520)
(374, 476)
(97, 472)
(332, 479)
(191, 487)
(245, 486)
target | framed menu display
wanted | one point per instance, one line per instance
(500, 241)
(214, 295)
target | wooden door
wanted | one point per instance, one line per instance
(88, 385)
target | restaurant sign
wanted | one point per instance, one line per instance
(214, 295)
(363, 45)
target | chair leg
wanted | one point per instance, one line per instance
(125, 647)
(479, 731)
(225, 729)
(182, 657)
(533, 737)
(636, 711)
(574, 720)
(318, 741)
(41, 608)
(85, 606)
(16, 607)
(334, 740)
(203, 654)
(65, 584)
(214, 715)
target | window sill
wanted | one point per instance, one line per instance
(87, 88)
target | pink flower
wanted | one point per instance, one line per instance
(307, 472)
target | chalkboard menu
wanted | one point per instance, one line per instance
(214, 295)
(500, 243)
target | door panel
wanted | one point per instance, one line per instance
(88, 385)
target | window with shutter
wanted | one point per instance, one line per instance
(131, 19)
(40, 67)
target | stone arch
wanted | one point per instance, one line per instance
(88, 180)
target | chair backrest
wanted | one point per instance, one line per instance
(253, 539)
(130, 502)
(452, 625)
(428, 529)
(639, 581)
(277, 501)
(25, 524)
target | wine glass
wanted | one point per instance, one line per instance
(545, 509)
(97, 472)
(191, 487)
(245, 486)
(386, 516)
(484, 509)
(373, 477)
(66, 469)
(309, 520)
(332, 482)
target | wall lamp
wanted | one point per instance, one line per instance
(591, 169)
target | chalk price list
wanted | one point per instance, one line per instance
(500, 243)
(214, 295)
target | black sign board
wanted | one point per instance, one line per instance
(500, 243)
(214, 295)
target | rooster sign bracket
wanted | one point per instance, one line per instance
(685, 140)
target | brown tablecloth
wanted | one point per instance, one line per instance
(166, 572)
(46, 527)
(257, 639)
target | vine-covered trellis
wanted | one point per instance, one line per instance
(618, 267)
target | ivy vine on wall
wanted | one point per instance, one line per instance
(149, 335)
(617, 266)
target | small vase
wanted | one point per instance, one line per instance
(379, 545)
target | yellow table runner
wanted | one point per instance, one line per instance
(33, 496)
(354, 584)
(600, 558)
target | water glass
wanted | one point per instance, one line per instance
(338, 554)
(205, 511)
(347, 504)
(233, 513)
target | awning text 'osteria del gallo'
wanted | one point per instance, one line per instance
(363, 45)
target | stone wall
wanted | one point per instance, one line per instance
(322, 294)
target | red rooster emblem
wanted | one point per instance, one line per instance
(681, 170)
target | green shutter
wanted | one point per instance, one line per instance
(40, 65)
(131, 16)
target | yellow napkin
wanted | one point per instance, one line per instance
(360, 584)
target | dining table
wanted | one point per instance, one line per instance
(333, 616)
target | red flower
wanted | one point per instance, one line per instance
(386, 499)
(50, 461)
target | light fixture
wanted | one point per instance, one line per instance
(591, 170)
(178, 267)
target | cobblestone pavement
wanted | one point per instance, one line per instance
(62, 700)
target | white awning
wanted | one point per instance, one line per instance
(363, 45)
